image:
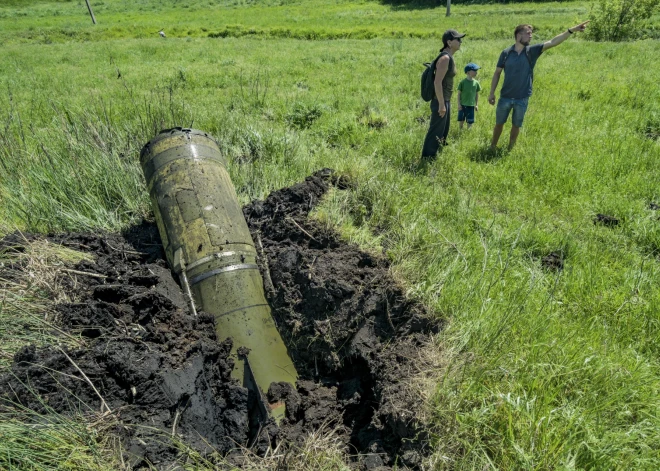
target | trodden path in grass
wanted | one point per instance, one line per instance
(163, 373)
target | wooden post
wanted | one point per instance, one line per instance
(91, 13)
(448, 7)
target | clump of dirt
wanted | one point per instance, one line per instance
(605, 220)
(553, 261)
(654, 206)
(651, 129)
(162, 372)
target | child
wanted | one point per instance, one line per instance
(468, 95)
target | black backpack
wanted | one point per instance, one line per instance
(428, 77)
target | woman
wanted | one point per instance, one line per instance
(445, 70)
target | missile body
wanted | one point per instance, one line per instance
(208, 245)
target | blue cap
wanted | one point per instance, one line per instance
(471, 66)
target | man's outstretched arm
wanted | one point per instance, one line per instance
(557, 40)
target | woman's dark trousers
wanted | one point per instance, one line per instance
(438, 130)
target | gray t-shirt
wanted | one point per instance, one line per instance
(517, 72)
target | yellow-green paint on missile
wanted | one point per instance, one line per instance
(206, 239)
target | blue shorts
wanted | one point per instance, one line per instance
(504, 107)
(466, 114)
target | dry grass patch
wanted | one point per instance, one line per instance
(322, 450)
(35, 275)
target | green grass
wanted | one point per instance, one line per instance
(47, 22)
(546, 370)
(64, 21)
(52, 443)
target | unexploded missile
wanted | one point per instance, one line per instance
(208, 245)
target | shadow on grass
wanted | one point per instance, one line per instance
(431, 4)
(421, 165)
(144, 237)
(484, 154)
(413, 4)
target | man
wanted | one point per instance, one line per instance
(518, 61)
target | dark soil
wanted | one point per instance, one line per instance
(352, 334)
(605, 220)
(553, 261)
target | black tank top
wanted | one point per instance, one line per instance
(448, 80)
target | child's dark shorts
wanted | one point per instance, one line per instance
(466, 114)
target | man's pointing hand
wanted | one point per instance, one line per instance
(581, 27)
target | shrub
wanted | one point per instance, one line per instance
(619, 20)
(371, 118)
(302, 116)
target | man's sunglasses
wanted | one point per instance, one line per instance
(460, 40)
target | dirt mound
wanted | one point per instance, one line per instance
(606, 220)
(553, 261)
(351, 333)
(146, 358)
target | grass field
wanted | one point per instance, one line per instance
(64, 21)
(543, 369)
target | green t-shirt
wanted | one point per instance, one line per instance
(469, 90)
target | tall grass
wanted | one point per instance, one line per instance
(545, 368)
(79, 172)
